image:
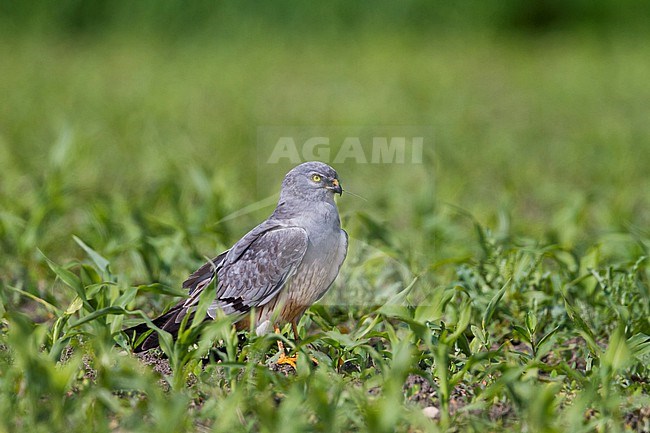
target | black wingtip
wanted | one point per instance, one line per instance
(166, 322)
(135, 333)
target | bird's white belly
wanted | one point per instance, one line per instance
(308, 284)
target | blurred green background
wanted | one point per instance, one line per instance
(134, 125)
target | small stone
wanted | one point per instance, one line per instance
(431, 412)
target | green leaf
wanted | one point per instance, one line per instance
(434, 307)
(544, 342)
(161, 289)
(639, 345)
(576, 318)
(463, 344)
(523, 333)
(492, 305)
(548, 335)
(68, 278)
(531, 322)
(74, 306)
(97, 314)
(99, 261)
(478, 333)
(617, 355)
(52, 308)
(463, 321)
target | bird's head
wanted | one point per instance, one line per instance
(311, 181)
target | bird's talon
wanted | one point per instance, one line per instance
(289, 360)
(293, 360)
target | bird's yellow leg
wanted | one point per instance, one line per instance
(284, 359)
(291, 360)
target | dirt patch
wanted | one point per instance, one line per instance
(638, 420)
(419, 390)
(423, 393)
(156, 360)
(285, 369)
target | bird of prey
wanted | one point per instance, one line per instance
(278, 269)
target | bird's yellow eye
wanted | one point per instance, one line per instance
(315, 178)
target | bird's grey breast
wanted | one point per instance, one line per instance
(325, 252)
(323, 226)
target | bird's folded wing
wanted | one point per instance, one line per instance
(253, 271)
(204, 275)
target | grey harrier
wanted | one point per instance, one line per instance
(278, 269)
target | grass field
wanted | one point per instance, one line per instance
(500, 285)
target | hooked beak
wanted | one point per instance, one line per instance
(335, 186)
